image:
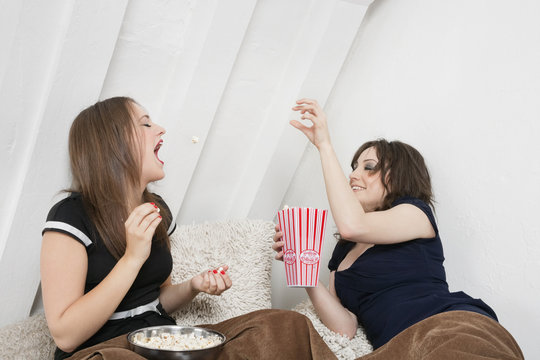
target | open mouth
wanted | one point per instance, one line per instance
(156, 150)
(357, 188)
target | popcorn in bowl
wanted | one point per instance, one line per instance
(171, 341)
(176, 342)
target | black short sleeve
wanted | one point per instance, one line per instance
(422, 206)
(69, 217)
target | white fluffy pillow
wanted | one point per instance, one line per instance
(342, 347)
(28, 339)
(244, 245)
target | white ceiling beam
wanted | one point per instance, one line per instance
(9, 23)
(149, 45)
(207, 82)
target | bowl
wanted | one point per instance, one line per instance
(208, 353)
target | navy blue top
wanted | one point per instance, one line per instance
(391, 287)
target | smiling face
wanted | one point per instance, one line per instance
(366, 182)
(149, 135)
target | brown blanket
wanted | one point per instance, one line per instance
(271, 334)
(264, 334)
(451, 335)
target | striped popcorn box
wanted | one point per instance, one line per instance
(303, 234)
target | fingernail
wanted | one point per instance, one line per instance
(159, 216)
(222, 272)
(152, 204)
(209, 271)
(215, 271)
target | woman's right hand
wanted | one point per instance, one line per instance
(140, 227)
(311, 110)
(277, 246)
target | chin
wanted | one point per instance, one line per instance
(161, 176)
(154, 178)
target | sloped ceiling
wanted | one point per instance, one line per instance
(224, 72)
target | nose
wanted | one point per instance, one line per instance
(354, 175)
(160, 129)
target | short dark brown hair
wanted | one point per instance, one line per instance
(403, 171)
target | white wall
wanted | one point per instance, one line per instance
(460, 81)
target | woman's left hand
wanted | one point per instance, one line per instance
(213, 281)
(311, 110)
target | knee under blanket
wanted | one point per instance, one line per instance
(451, 335)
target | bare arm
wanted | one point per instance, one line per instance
(63, 275)
(329, 308)
(173, 297)
(353, 223)
(64, 265)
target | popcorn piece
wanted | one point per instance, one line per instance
(194, 139)
(285, 207)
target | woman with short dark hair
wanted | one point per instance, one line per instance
(386, 272)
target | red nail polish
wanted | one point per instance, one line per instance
(152, 204)
(159, 216)
(209, 271)
(222, 272)
(215, 271)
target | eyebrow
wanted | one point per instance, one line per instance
(366, 160)
(144, 116)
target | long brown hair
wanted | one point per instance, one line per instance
(403, 171)
(106, 166)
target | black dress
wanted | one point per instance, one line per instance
(140, 307)
(391, 287)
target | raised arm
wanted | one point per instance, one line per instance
(353, 222)
(64, 267)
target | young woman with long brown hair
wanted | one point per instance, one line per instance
(106, 262)
(386, 272)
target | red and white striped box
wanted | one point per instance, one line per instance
(303, 233)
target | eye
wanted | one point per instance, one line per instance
(369, 167)
(147, 125)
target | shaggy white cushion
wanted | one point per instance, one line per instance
(244, 245)
(344, 348)
(27, 340)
